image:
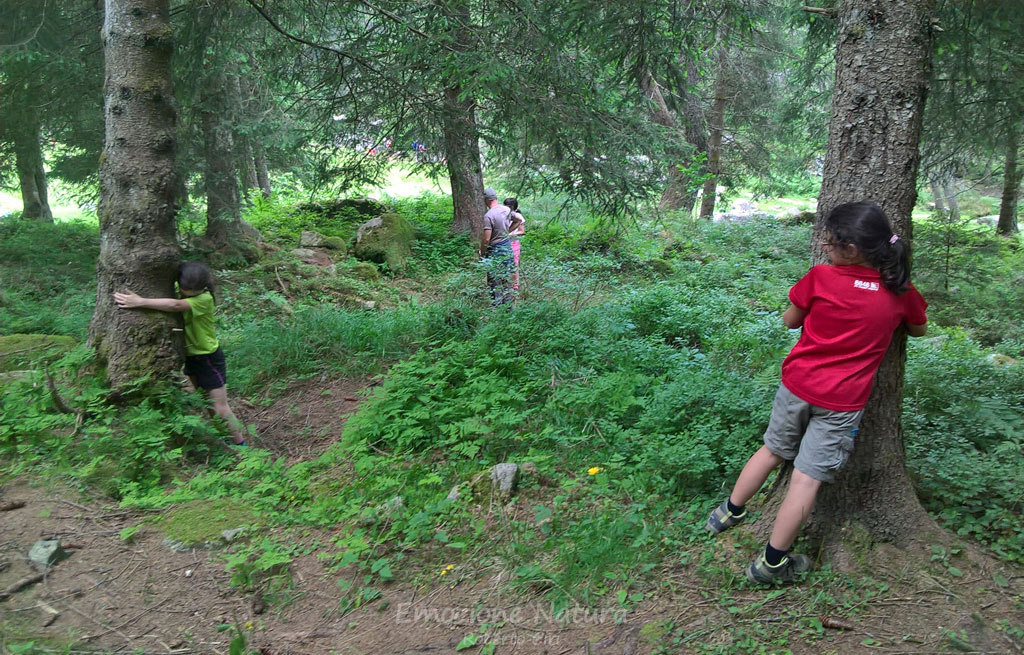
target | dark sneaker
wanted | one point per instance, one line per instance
(785, 573)
(722, 519)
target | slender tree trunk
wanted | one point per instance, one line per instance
(243, 143)
(883, 59)
(707, 201)
(138, 241)
(1007, 225)
(226, 232)
(31, 174)
(247, 166)
(949, 190)
(679, 193)
(262, 172)
(937, 192)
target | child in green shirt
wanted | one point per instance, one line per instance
(204, 358)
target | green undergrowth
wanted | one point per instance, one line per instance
(635, 374)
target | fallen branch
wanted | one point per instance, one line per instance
(18, 504)
(830, 12)
(19, 585)
(62, 406)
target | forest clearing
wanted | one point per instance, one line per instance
(312, 341)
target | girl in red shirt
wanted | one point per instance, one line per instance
(848, 312)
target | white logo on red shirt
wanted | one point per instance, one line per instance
(870, 286)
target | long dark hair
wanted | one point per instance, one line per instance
(195, 276)
(512, 204)
(866, 226)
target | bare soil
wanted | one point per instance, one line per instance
(140, 597)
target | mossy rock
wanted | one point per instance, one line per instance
(661, 267)
(202, 522)
(365, 271)
(386, 239)
(18, 351)
(333, 243)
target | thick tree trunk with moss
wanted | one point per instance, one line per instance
(138, 241)
(31, 174)
(1007, 225)
(226, 232)
(883, 58)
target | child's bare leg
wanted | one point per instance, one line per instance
(219, 396)
(752, 477)
(795, 509)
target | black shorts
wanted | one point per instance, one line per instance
(210, 371)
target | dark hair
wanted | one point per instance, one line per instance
(195, 276)
(512, 204)
(866, 226)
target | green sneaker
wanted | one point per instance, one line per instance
(761, 572)
(722, 519)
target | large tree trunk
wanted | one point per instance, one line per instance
(937, 193)
(679, 193)
(226, 232)
(951, 200)
(31, 174)
(707, 201)
(138, 244)
(462, 150)
(883, 58)
(1007, 224)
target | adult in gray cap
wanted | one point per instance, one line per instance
(496, 247)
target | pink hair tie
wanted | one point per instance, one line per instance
(894, 239)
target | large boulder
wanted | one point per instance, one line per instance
(386, 239)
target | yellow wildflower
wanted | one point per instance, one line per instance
(594, 470)
(449, 567)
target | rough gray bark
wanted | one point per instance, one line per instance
(226, 232)
(31, 174)
(262, 172)
(462, 150)
(244, 157)
(679, 193)
(883, 59)
(949, 191)
(707, 201)
(462, 140)
(138, 241)
(937, 193)
(1007, 225)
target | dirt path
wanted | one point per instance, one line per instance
(140, 597)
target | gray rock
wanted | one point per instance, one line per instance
(176, 546)
(311, 239)
(367, 227)
(303, 253)
(998, 359)
(368, 304)
(454, 494)
(504, 477)
(990, 221)
(45, 554)
(231, 535)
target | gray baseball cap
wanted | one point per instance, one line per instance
(490, 194)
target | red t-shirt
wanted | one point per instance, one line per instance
(850, 320)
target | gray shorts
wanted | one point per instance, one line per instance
(819, 441)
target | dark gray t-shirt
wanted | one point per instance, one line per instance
(498, 219)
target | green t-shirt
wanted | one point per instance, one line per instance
(200, 335)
